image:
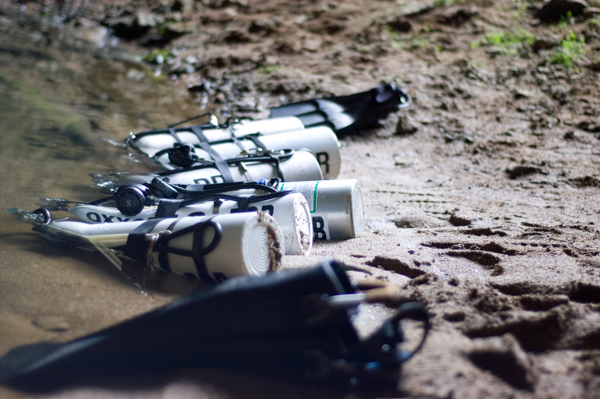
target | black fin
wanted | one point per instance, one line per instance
(280, 324)
(347, 114)
(19, 359)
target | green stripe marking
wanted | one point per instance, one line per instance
(315, 198)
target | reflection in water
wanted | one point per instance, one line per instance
(64, 114)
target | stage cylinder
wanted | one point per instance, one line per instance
(319, 141)
(290, 211)
(153, 141)
(301, 166)
(213, 248)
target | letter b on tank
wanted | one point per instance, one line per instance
(319, 228)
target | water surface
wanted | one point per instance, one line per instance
(64, 113)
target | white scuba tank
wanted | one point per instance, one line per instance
(211, 248)
(148, 142)
(290, 211)
(300, 166)
(319, 141)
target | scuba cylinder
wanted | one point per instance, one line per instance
(161, 144)
(159, 139)
(290, 211)
(213, 248)
(336, 207)
(288, 165)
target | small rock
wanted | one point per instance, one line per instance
(400, 24)
(313, 44)
(504, 357)
(182, 68)
(202, 87)
(263, 26)
(406, 125)
(414, 221)
(414, 8)
(520, 170)
(591, 12)
(51, 323)
(545, 41)
(458, 220)
(520, 93)
(136, 75)
(147, 20)
(287, 47)
(588, 126)
(219, 98)
(493, 51)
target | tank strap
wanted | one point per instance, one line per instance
(167, 208)
(198, 251)
(220, 163)
(139, 242)
(254, 138)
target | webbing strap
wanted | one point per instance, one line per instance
(254, 138)
(138, 242)
(277, 163)
(174, 134)
(198, 250)
(220, 163)
(167, 208)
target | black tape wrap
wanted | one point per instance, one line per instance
(140, 244)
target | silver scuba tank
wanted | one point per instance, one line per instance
(336, 207)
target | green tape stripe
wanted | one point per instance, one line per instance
(315, 199)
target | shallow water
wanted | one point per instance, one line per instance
(65, 113)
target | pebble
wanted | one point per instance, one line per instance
(545, 41)
(415, 221)
(406, 125)
(51, 323)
